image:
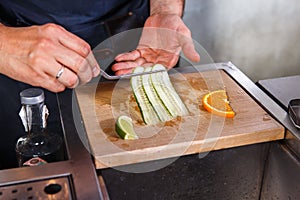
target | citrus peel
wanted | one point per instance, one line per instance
(217, 103)
(124, 128)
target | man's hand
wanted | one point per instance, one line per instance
(34, 55)
(163, 37)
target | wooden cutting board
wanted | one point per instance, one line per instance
(100, 104)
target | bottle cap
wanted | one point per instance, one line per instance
(32, 96)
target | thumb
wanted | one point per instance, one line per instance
(189, 51)
(187, 44)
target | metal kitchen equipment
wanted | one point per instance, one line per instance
(294, 111)
(77, 172)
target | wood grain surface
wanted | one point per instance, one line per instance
(100, 104)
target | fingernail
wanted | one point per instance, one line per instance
(117, 56)
(96, 71)
(76, 84)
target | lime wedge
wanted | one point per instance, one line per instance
(124, 128)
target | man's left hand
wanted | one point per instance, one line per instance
(163, 38)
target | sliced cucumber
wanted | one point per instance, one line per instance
(166, 92)
(156, 96)
(148, 113)
(153, 97)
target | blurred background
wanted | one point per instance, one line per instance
(259, 37)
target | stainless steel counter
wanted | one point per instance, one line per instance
(74, 178)
(282, 175)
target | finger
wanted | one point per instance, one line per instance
(75, 62)
(79, 65)
(127, 65)
(85, 69)
(169, 60)
(127, 71)
(73, 69)
(150, 56)
(189, 51)
(41, 78)
(124, 71)
(148, 64)
(53, 85)
(188, 47)
(85, 73)
(74, 42)
(133, 55)
(94, 64)
(67, 38)
(68, 78)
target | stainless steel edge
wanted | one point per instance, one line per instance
(261, 97)
(253, 90)
(83, 170)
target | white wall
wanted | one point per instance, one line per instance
(260, 37)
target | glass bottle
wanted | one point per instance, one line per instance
(37, 146)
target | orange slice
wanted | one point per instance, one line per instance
(217, 102)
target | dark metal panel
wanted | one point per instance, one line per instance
(293, 143)
(79, 167)
(83, 170)
(282, 90)
(282, 177)
(58, 188)
(231, 174)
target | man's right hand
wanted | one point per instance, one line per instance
(34, 55)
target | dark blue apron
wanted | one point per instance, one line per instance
(92, 20)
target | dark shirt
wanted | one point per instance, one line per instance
(92, 20)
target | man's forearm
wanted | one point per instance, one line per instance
(1, 40)
(166, 7)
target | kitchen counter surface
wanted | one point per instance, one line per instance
(282, 89)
